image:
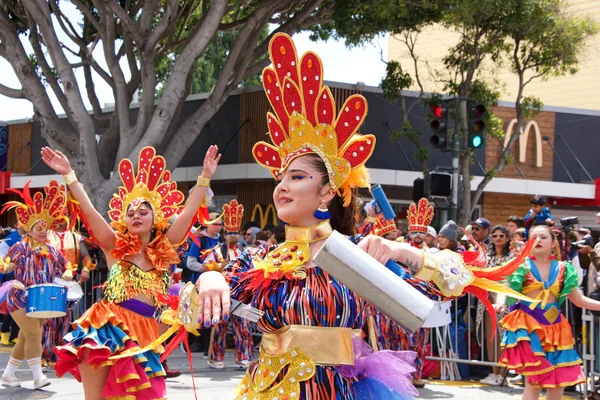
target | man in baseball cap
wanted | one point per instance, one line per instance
(481, 230)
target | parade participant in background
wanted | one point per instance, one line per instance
(216, 259)
(420, 216)
(538, 341)
(140, 253)
(72, 246)
(498, 253)
(208, 239)
(9, 330)
(382, 330)
(34, 262)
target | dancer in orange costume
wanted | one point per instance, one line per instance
(140, 253)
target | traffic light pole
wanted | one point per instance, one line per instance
(455, 163)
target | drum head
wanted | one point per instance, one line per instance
(74, 292)
(440, 315)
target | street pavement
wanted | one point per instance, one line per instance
(220, 384)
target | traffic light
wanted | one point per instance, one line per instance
(476, 126)
(439, 126)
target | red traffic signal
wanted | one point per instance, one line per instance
(438, 111)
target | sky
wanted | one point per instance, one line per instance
(360, 64)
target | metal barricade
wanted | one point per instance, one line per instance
(450, 355)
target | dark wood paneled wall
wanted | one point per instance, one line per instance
(19, 148)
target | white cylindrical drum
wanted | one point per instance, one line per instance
(372, 281)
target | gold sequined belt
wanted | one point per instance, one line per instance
(325, 346)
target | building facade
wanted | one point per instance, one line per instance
(547, 163)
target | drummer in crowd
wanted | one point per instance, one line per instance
(34, 262)
(73, 248)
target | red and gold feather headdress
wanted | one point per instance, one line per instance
(232, 216)
(48, 207)
(151, 184)
(420, 216)
(305, 120)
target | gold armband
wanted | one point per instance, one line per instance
(70, 178)
(429, 266)
(447, 270)
(84, 269)
(202, 181)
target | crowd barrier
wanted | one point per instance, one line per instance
(455, 348)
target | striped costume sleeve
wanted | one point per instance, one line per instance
(236, 270)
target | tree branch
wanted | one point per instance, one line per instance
(175, 90)
(33, 89)
(43, 63)
(13, 93)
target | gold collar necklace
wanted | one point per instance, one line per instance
(289, 258)
(308, 234)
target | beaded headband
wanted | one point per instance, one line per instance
(305, 120)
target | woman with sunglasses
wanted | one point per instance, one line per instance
(498, 253)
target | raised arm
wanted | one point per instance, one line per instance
(179, 229)
(102, 230)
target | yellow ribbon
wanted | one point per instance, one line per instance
(544, 293)
(168, 319)
(492, 286)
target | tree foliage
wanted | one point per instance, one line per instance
(155, 48)
(536, 39)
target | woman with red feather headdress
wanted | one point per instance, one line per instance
(34, 262)
(102, 350)
(310, 347)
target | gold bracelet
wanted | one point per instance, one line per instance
(202, 181)
(70, 177)
(85, 269)
(429, 267)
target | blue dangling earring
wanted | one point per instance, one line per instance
(322, 212)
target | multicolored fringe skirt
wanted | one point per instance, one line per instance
(539, 344)
(108, 329)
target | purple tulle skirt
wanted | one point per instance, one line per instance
(383, 374)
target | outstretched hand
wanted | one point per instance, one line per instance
(56, 160)
(211, 160)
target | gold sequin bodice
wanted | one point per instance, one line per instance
(126, 281)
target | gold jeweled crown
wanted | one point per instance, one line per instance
(145, 186)
(419, 216)
(305, 120)
(232, 216)
(48, 207)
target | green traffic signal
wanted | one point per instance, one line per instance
(477, 127)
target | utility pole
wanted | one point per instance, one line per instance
(455, 163)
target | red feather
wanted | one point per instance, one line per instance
(482, 295)
(501, 272)
(474, 258)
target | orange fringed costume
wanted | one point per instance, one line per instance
(120, 325)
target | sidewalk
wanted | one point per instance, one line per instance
(220, 384)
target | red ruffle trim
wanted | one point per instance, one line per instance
(127, 377)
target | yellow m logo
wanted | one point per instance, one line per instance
(523, 136)
(263, 215)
